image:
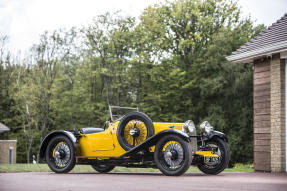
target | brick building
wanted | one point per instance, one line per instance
(7, 148)
(268, 54)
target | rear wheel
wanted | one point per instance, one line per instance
(221, 149)
(60, 154)
(103, 168)
(134, 128)
(173, 155)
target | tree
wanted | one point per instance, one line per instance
(227, 89)
(190, 77)
(24, 96)
(63, 103)
(9, 114)
(34, 87)
(109, 49)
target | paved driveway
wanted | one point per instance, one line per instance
(142, 181)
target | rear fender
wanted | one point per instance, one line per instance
(47, 139)
(154, 139)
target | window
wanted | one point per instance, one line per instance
(11, 155)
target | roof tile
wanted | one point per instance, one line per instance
(277, 32)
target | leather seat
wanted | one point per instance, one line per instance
(91, 130)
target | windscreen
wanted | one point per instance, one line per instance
(117, 112)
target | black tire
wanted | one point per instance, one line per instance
(224, 158)
(68, 149)
(125, 120)
(103, 168)
(161, 161)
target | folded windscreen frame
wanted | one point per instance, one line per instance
(117, 112)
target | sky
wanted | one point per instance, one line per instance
(24, 20)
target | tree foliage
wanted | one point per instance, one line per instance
(170, 63)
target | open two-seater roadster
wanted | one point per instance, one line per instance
(133, 140)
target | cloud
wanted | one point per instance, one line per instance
(264, 11)
(25, 20)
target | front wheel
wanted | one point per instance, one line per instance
(60, 154)
(221, 149)
(173, 155)
(103, 168)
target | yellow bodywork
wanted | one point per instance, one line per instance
(105, 144)
(206, 154)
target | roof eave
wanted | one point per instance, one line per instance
(3, 130)
(249, 56)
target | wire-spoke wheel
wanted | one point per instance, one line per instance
(221, 149)
(133, 129)
(60, 154)
(173, 155)
(103, 168)
(135, 132)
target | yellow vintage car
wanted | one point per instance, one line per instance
(130, 139)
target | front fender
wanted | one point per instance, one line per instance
(47, 139)
(154, 139)
(214, 134)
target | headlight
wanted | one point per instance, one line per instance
(205, 127)
(189, 128)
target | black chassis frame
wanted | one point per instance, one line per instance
(138, 157)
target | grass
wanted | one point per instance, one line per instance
(240, 168)
(86, 168)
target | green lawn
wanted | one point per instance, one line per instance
(87, 168)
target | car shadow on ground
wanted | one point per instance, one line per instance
(137, 173)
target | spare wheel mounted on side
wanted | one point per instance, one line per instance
(134, 128)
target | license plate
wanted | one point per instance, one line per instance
(211, 160)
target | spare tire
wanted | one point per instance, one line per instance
(133, 129)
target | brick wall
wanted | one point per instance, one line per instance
(277, 67)
(4, 150)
